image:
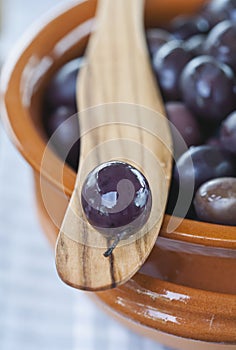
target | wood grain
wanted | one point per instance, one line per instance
(128, 125)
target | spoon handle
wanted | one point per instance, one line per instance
(118, 70)
(118, 67)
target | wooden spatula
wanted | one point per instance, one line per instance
(126, 123)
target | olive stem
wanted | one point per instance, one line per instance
(114, 244)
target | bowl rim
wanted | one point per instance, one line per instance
(188, 231)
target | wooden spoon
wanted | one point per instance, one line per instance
(133, 130)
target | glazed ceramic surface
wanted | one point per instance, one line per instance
(187, 289)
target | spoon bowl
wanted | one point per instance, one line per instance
(120, 138)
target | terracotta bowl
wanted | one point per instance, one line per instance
(185, 295)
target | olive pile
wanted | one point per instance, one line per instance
(194, 60)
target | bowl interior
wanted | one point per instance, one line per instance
(54, 40)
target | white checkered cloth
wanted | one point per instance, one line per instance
(37, 311)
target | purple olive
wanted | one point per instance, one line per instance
(156, 38)
(215, 201)
(228, 133)
(62, 141)
(195, 44)
(168, 64)
(208, 88)
(116, 200)
(183, 27)
(221, 44)
(187, 125)
(216, 11)
(62, 88)
(208, 162)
